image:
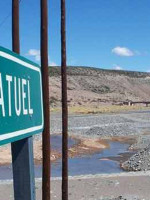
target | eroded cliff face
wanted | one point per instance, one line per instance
(91, 86)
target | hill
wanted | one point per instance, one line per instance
(94, 86)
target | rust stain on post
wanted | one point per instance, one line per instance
(45, 82)
(64, 105)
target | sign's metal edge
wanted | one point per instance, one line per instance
(34, 128)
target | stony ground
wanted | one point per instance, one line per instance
(139, 162)
(113, 125)
(105, 125)
(99, 126)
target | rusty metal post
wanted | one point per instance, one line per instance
(45, 81)
(64, 104)
(22, 150)
(15, 26)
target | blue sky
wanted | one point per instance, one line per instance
(112, 34)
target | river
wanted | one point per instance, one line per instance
(104, 161)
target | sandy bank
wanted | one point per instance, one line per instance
(5, 154)
(84, 146)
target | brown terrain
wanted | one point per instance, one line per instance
(92, 86)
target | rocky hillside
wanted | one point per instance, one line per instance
(92, 86)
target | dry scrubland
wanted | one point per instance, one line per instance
(101, 109)
(90, 88)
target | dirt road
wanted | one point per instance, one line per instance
(132, 186)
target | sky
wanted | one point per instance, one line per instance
(109, 34)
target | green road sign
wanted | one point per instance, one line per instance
(21, 104)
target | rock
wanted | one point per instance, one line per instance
(139, 161)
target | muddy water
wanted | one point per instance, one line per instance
(97, 163)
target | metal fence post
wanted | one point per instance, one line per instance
(45, 81)
(22, 151)
(64, 105)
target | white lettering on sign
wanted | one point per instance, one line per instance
(30, 109)
(9, 79)
(2, 97)
(17, 102)
(19, 96)
(24, 82)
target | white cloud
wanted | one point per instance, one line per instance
(117, 67)
(37, 56)
(35, 53)
(122, 51)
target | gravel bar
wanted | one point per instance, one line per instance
(104, 125)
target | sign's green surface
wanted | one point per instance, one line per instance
(21, 104)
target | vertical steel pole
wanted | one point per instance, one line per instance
(64, 105)
(22, 151)
(45, 81)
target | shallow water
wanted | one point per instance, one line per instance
(87, 164)
(92, 164)
(56, 142)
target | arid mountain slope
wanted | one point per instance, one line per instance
(94, 86)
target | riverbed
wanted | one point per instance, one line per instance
(102, 161)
